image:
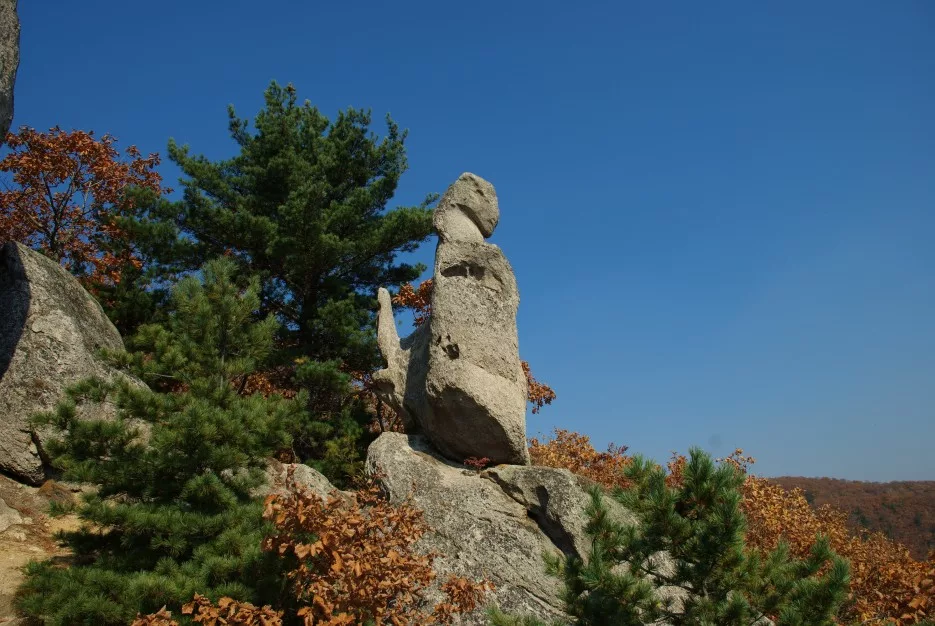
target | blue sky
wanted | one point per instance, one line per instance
(721, 215)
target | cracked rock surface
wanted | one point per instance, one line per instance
(496, 524)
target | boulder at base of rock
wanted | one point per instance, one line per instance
(50, 330)
(496, 524)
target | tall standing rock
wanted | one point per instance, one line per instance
(459, 379)
(475, 382)
(50, 330)
(9, 62)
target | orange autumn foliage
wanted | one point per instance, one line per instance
(903, 510)
(574, 452)
(538, 394)
(160, 618)
(63, 195)
(227, 612)
(419, 301)
(273, 380)
(887, 585)
(356, 561)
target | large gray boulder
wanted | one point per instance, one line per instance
(458, 378)
(50, 330)
(496, 524)
(9, 62)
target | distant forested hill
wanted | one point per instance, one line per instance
(904, 511)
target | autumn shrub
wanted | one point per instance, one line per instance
(417, 299)
(538, 394)
(574, 452)
(227, 612)
(354, 561)
(887, 585)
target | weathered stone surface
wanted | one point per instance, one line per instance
(9, 62)
(468, 211)
(497, 524)
(305, 477)
(402, 383)
(557, 500)
(458, 378)
(50, 330)
(8, 516)
(475, 383)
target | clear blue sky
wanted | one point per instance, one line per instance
(721, 214)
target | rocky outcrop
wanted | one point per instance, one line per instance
(401, 384)
(479, 531)
(9, 62)
(458, 378)
(496, 524)
(50, 330)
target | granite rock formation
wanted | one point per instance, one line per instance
(50, 332)
(458, 378)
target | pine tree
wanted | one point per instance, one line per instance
(142, 296)
(174, 513)
(303, 205)
(709, 577)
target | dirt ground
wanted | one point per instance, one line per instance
(26, 534)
